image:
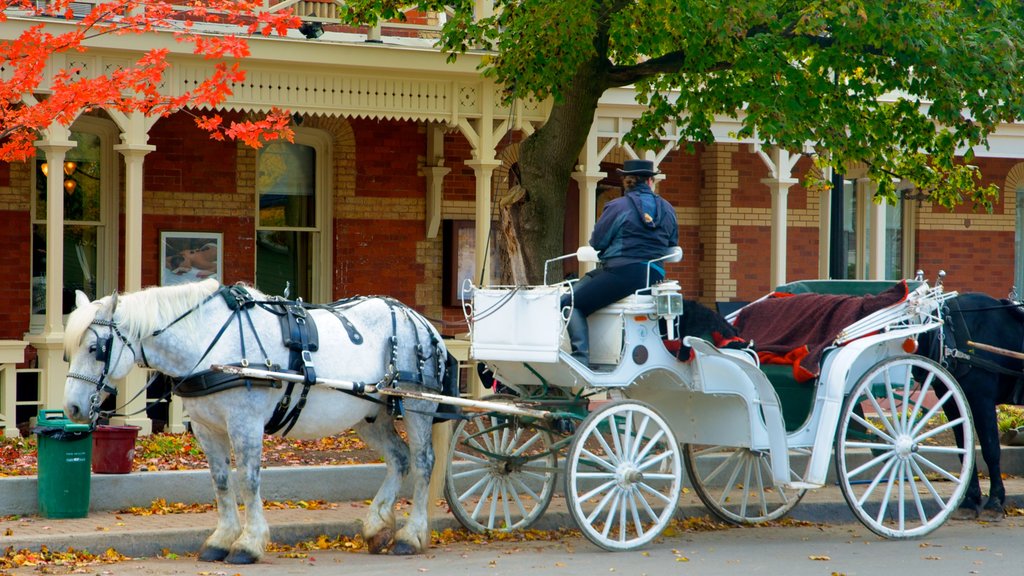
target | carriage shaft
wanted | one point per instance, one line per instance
(470, 404)
(996, 350)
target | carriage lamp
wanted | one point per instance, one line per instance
(667, 299)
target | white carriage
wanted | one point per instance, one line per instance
(751, 445)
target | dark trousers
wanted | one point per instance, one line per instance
(596, 290)
(600, 287)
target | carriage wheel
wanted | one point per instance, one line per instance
(501, 473)
(624, 474)
(736, 483)
(897, 460)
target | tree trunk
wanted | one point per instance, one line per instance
(547, 159)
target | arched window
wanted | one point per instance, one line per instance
(90, 224)
(293, 217)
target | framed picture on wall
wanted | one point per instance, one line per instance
(190, 257)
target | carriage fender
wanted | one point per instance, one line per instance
(766, 402)
(840, 373)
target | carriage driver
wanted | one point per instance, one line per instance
(633, 229)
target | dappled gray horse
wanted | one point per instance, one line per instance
(183, 330)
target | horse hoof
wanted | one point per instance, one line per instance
(241, 557)
(212, 554)
(378, 543)
(991, 515)
(965, 514)
(404, 549)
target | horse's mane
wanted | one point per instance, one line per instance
(139, 314)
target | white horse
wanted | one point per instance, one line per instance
(183, 330)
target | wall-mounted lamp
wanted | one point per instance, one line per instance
(312, 30)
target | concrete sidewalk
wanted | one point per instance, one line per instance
(349, 487)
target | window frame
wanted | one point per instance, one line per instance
(108, 225)
(321, 233)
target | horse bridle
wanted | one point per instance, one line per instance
(104, 348)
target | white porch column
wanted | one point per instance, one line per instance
(131, 389)
(483, 169)
(587, 175)
(50, 343)
(876, 240)
(781, 163)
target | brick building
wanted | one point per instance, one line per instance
(397, 155)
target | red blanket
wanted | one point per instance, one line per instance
(796, 328)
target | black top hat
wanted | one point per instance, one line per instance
(642, 168)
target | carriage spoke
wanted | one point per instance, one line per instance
(650, 445)
(505, 501)
(481, 483)
(937, 469)
(599, 489)
(651, 514)
(618, 452)
(653, 461)
(931, 413)
(634, 511)
(871, 463)
(870, 426)
(928, 483)
(926, 387)
(641, 433)
(882, 415)
(884, 507)
(731, 459)
(526, 445)
(480, 505)
(595, 460)
(874, 482)
(922, 514)
(609, 498)
(897, 418)
(940, 429)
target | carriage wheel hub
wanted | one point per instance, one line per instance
(628, 475)
(905, 446)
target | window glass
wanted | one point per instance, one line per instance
(286, 189)
(894, 242)
(83, 196)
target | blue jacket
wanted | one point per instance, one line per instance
(628, 231)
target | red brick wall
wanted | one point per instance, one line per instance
(375, 257)
(974, 261)
(388, 158)
(681, 187)
(186, 159)
(16, 267)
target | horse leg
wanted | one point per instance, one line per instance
(247, 443)
(380, 434)
(970, 507)
(987, 427)
(218, 455)
(414, 537)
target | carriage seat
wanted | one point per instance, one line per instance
(607, 324)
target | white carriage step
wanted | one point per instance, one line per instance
(803, 486)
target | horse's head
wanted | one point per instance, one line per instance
(98, 351)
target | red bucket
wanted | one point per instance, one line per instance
(113, 449)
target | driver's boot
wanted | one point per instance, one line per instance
(579, 337)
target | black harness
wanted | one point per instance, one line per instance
(959, 357)
(299, 334)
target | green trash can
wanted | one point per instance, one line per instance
(64, 464)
